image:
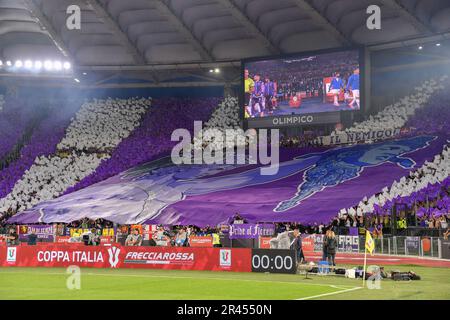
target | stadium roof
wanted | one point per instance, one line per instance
(150, 32)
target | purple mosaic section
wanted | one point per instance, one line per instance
(312, 185)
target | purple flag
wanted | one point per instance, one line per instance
(312, 185)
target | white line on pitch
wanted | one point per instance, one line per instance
(330, 293)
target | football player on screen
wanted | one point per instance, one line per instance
(353, 85)
(336, 87)
(269, 93)
(249, 86)
(258, 96)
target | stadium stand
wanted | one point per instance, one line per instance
(324, 135)
(42, 143)
(98, 127)
(396, 115)
(101, 125)
(86, 144)
(14, 121)
(430, 119)
(152, 138)
(225, 116)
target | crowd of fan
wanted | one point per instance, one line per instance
(48, 178)
(83, 156)
(87, 223)
(152, 138)
(307, 139)
(424, 112)
(109, 136)
(434, 118)
(14, 120)
(396, 116)
(425, 191)
(42, 143)
(423, 195)
(100, 125)
(225, 116)
(81, 150)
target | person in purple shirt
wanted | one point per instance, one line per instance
(336, 87)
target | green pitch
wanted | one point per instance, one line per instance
(50, 283)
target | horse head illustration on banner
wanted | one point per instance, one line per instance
(338, 166)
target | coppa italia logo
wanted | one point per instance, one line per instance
(160, 257)
(113, 256)
(11, 254)
(225, 258)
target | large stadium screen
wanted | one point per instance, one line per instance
(304, 86)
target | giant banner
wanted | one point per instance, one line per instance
(43, 232)
(59, 255)
(352, 137)
(311, 185)
(251, 231)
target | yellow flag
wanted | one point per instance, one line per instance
(370, 244)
